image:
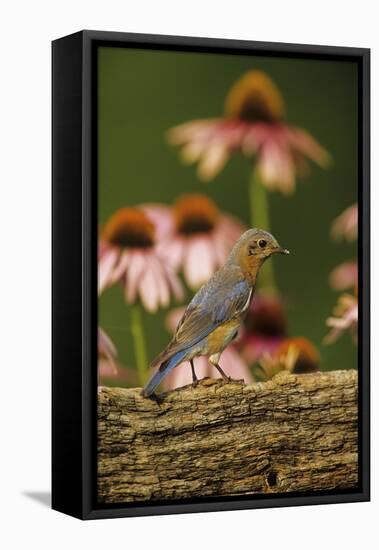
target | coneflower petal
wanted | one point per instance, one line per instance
(136, 268)
(105, 344)
(198, 263)
(269, 164)
(105, 267)
(160, 214)
(149, 291)
(163, 287)
(346, 224)
(344, 276)
(221, 248)
(212, 161)
(174, 281)
(173, 251)
(302, 141)
(192, 131)
(192, 152)
(120, 268)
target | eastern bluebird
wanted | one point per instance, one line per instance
(215, 313)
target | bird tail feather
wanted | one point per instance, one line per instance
(162, 372)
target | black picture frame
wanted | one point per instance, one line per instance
(74, 271)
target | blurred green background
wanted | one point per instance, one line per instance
(143, 93)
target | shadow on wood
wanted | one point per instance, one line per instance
(293, 433)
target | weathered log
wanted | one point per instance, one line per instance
(293, 433)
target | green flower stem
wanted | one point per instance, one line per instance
(260, 217)
(136, 328)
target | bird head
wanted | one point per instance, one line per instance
(253, 248)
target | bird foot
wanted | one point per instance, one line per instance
(156, 398)
(235, 380)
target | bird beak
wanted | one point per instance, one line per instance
(281, 250)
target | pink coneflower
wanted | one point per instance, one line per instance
(295, 355)
(109, 368)
(201, 239)
(264, 328)
(161, 216)
(253, 123)
(128, 255)
(344, 276)
(345, 317)
(346, 224)
(107, 355)
(230, 360)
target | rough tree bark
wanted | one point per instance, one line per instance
(293, 433)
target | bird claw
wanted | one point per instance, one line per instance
(228, 379)
(158, 399)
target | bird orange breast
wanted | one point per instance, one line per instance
(222, 335)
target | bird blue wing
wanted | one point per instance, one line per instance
(224, 297)
(232, 304)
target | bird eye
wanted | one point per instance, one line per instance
(262, 243)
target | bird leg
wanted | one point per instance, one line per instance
(225, 377)
(214, 359)
(195, 379)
